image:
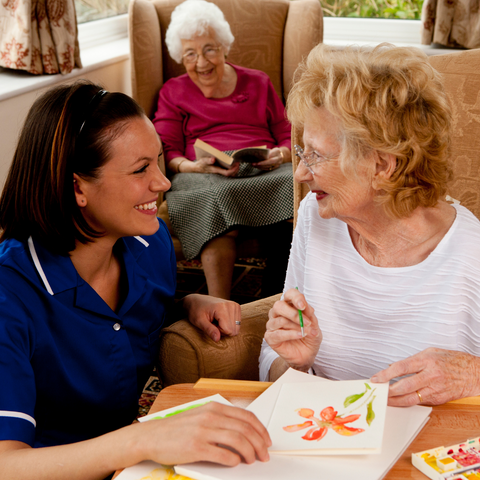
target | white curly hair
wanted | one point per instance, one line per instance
(195, 17)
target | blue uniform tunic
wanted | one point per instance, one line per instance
(71, 368)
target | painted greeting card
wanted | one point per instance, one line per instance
(169, 412)
(335, 418)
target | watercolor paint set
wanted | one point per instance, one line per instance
(457, 462)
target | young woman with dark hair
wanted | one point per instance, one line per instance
(87, 279)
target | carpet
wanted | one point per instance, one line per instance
(149, 394)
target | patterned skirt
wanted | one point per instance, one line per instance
(203, 206)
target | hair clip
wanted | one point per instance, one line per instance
(94, 102)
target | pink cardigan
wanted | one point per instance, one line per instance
(252, 115)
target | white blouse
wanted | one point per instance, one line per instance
(372, 316)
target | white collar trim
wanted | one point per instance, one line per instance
(142, 241)
(38, 265)
(39, 268)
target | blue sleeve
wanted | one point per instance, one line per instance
(17, 382)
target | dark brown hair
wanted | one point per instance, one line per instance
(68, 130)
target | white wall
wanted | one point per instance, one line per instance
(114, 77)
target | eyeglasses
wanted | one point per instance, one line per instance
(312, 159)
(210, 53)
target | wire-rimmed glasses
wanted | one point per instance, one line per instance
(208, 53)
(311, 159)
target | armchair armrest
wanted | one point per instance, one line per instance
(187, 354)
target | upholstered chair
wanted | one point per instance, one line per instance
(186, 354)
(461, 76)
(270, 35)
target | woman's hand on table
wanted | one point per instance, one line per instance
(436, 376)
(276, 156)
(283, 331)
(190, 436)
(206, 312)
(195, 435)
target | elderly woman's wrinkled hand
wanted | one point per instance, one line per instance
(206, 312)
(273, 161)
(436, 376)
(284, 335)
(207, 165)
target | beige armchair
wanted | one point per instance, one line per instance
(270, 35)
(186, 354)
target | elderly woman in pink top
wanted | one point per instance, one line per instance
(229, 107)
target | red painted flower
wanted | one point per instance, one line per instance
(328, 420)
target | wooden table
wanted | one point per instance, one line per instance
(449, 424)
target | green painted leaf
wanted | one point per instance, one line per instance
(370, 412)
(368, 386)
(352, 399)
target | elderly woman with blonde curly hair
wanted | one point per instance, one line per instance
(388, 272)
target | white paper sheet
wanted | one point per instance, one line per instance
(401, 427)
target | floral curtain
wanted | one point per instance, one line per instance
(453, 23)
(39, 36)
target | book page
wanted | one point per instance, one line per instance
(203, 149)
(251, 155)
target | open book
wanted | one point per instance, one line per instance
(337, 418)
(228, 158)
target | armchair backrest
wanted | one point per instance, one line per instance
(461, 74)
(270, 35)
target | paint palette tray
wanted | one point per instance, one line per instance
(457, 462)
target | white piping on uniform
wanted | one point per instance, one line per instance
(142, 240)
(38, 266)
(24, 416)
